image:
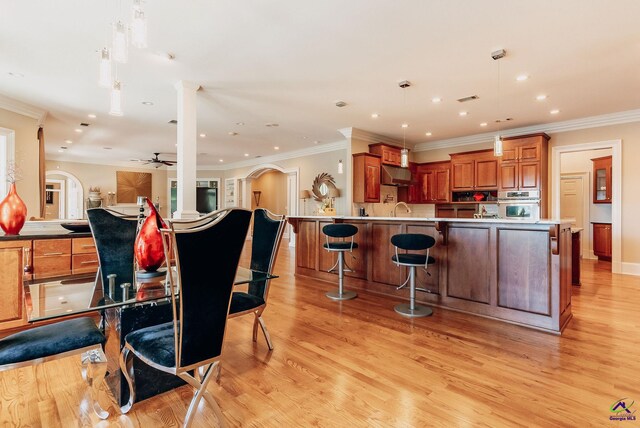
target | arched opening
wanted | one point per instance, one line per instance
(64, 199)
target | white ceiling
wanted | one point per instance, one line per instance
(289, 61)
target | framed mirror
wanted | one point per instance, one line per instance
(321, 185)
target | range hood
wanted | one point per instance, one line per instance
(394, 176)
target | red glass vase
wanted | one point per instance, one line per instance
(148, 246)
(13, 212)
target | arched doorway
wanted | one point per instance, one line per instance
(271, 181)
(65, 195)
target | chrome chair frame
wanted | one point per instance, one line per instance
(412, 310)
(340, 294)
(203, 370)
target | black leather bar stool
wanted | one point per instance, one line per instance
(341, 232)
(412, 242)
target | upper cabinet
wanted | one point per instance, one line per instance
(389, 155)
(602, 180)
(523, 165)
(366, 177)
(474, 171)
(434, 182)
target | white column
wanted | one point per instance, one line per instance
(187, 157)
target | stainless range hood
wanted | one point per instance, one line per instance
(394, 176)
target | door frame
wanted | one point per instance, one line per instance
(616, 190)
(586, 202)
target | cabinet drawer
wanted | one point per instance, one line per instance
(83, 246)
(49, 266)
(51, 247)
(84, 263)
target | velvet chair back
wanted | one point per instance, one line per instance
(267, 234)
(207, 257)
(114, 236)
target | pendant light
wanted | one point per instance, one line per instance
(120, 42)
(497, 143)
(404, 153)
(104, 79)
(116, 99)
(340, 167)
(138, 25)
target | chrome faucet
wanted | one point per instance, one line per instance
(396, 206)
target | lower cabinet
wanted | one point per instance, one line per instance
(602, 240)
(14, 255)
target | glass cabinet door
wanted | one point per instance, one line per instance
(601, 184)
(602, 180)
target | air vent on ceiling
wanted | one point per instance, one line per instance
(465, 99)
(84, 124)
(504, 120)
(173, 122)
(340, 104)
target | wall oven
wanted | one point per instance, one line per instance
(519, 205)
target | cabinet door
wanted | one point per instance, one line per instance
(372, 179)
(415, 188)
(529, 173)
(13, 256)
(441, 191)
(529, 152)
(509, 176)
(428, 185)
(462, 175)
(509, 153)
(602, 240)
(487, 174)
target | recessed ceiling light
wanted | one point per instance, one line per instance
(233, 134)
(14, 74)
(554, 111)
(316, 142)
(147, 103)
(91, 116)
(246, 155)
(203, 135)
(436, 99)
(541, 97)
(240, 123)
(68, 141)
(483, 124)
(276, 148)
(522, 78)
(271, 125)
(405, 125)
(78, 130)
(60, 151)
(374, 115)
(428, 134)
(462, 113)
(220, 160)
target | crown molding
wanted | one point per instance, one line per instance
(369, 137)
(23, 108)
(549, 128)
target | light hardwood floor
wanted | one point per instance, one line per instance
(359, 364)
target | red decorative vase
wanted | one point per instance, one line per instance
(13, 212)
(148, 246)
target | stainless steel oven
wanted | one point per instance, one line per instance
(519, 205)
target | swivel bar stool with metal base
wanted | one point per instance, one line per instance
(412, 242)
(340, 231)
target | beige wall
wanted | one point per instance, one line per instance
(26, 156)
(104, 177)
(272, 186)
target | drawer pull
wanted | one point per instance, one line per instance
(89, 262)
(54, 254)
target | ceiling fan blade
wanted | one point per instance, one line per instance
(169, 163)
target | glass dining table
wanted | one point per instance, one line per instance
(133, 306)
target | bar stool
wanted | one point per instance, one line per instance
(412, 242)
(340, 231)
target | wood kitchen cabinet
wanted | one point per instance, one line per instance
(434, 182)
(366, 177)
(389, 155)
(476, 170)
(602, 180)
(84, 257)
(14, 255)
(602, 241)
(523, 165)
(51, 257)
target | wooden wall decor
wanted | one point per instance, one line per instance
(130, 185)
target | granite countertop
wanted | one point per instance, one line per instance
(51, 229)
(446, 219)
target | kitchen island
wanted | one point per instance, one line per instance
(510, 270)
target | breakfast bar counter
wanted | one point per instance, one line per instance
(516, 271)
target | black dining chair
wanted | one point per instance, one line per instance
(268, 229)
(58, 340)
(206, 257)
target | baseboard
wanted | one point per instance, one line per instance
(630, 268)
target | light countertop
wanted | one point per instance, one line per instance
(444, 219)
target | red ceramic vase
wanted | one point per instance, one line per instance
(148, 246)
(13, 212)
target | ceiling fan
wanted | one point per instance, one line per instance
(155, 160)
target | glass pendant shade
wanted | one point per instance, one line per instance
(104, 79)
(139, 29)
(340, 167)
(497, 146)
(120, 43)
(404, 158)
(116, 100)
